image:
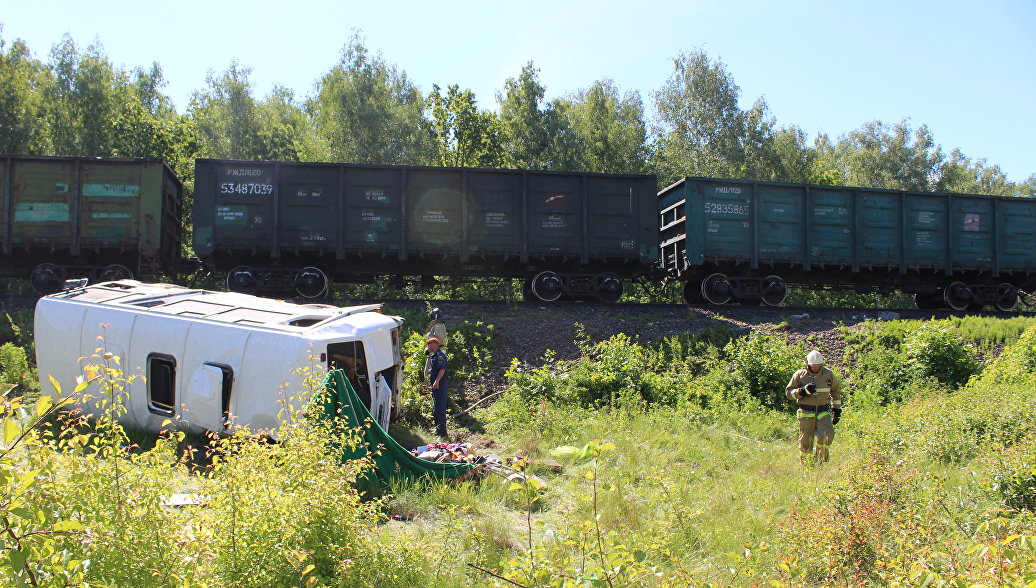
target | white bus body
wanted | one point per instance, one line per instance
(214, 360)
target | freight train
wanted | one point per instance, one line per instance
(289, 226)
(299, 225)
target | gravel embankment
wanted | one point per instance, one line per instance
(528, 331)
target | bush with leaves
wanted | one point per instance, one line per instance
(764, 363)
(890, 361)
(34, 523)
(16, 370)
(469, 348)
(85, 506)
(1014, 474)
(937, 352)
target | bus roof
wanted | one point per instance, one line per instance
(224, 307)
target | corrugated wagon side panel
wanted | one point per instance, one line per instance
(555, 208)
(880, 228)
(111, 195)
(613, 212)
(830, 221)
(495, 223)
(308, 207)
(647, 221)
(972, 230)
(927, 238)
(1016, 225)
(235, 206)
(5, 211)
(435, 211)
(782, 226)
(373, 211)
(43, 199)
(725, 209)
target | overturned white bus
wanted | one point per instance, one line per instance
(211, 360)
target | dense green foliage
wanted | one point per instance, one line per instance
(890, 361)
(469, 349)
(714, 370)
(367, 110)
(678, 467)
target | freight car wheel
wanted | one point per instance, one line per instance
(1006, 297)
(692, 293)
(773, 290)
(957, 296)
(547, 286)
(242, 280)
(716, 289)
(311, 283)
(114, 273)
(47, 278)
(608, 288)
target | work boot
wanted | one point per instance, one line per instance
(822, 454)
(806, 460)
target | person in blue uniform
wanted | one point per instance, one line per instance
(437, 380)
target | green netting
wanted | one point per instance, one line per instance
(392, 461)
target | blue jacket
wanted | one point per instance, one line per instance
(437, 362)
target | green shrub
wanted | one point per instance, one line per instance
(15, 369)
(880, 376)
(1014, 475)
(469, 349)
(16, 327)
(763, 363)
(954, 426)
(270, 514)
(934, 351)
(889, 360)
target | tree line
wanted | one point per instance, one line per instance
(366, 110)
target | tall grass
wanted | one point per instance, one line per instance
(677, 466)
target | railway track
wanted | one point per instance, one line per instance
(22, 301)
(732, 311)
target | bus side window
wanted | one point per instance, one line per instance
(161, 384)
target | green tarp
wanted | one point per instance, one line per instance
(392, 461)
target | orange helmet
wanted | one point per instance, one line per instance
(432, 340)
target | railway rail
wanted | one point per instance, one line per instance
(21, 301)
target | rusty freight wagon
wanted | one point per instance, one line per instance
(294, 226)
(731, 240)
(102, 219)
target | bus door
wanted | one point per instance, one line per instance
(349, 356)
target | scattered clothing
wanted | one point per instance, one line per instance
(445, 453)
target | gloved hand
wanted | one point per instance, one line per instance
(837, 412)
(808, 390)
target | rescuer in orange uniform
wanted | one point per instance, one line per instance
(817, 391)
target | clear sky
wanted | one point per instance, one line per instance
(966, 69)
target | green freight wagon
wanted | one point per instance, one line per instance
(731, 240)
(280, 226)
(74, 217)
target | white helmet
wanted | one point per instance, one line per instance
(814, 358)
